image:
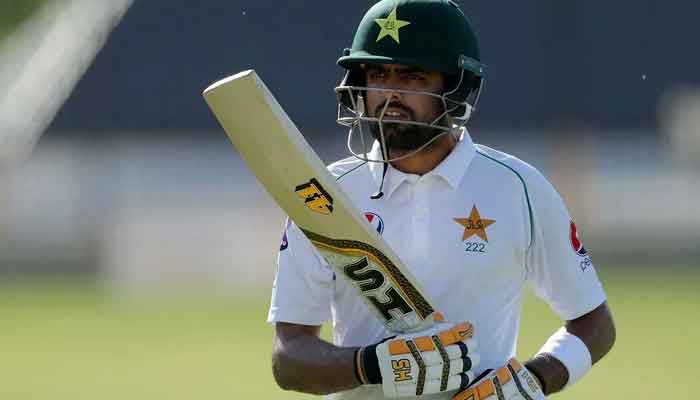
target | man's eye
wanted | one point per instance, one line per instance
(375, 75)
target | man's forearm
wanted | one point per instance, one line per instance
(311, 365)
(595, 329)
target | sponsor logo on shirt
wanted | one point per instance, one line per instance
(576, 242)
(376, 221)
(285, 242)
(577, 245)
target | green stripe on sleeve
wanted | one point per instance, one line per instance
(527, 194)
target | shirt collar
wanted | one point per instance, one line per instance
(451, 169)
(454, 166)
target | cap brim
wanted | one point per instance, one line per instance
(363, 57)
(358, 58)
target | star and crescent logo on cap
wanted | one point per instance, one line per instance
(475, 225)
(390, 26)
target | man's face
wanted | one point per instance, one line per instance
(403, 106)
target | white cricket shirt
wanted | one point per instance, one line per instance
(431, 222)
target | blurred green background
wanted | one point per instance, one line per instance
(13, 12)
(73, 341)
(81, 334)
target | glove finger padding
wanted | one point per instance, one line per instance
(457, 367)
(511, 382)
(431, 361)
(457, 351)
(433, 386)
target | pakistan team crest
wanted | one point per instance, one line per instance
(390, 26)
(475, 226)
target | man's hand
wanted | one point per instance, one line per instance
(511, 382)
(435, 360)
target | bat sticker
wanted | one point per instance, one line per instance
(315, 197)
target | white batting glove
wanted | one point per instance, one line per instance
(435, 360)
(511, 382)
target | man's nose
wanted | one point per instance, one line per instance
(392, 82)
(392, 96)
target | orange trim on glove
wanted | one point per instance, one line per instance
(451, 336)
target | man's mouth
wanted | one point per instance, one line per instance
(394, 114)
(394, 111)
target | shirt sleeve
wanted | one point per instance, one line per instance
(304, 283)
(558, 264)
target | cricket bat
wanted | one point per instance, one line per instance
(285, 164)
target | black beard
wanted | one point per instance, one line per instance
(406, 137)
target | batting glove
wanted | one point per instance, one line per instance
(435, 360)
(511, 382)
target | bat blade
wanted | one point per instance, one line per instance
(285, 164)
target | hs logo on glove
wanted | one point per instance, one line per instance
(402, 370)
